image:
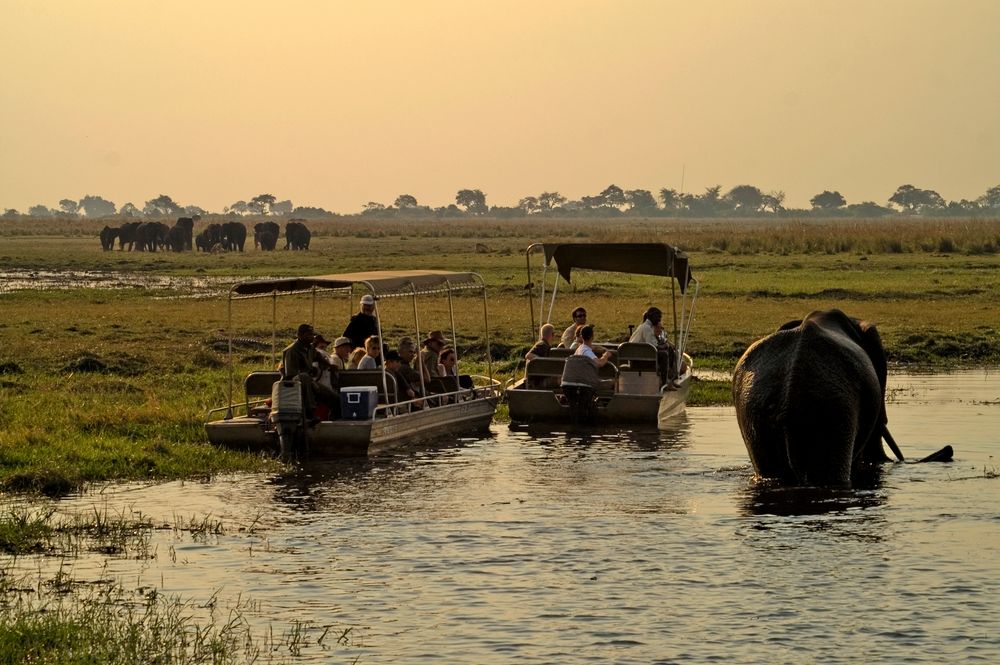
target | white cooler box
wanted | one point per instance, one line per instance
(358, 402)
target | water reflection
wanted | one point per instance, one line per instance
(557, 545)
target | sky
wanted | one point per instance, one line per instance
(333, 103)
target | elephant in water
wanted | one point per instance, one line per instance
(810, 400)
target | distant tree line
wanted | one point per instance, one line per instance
(740, 201)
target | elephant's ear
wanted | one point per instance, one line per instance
(872, 344)
(791, 325)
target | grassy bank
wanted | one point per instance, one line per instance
(101, 384)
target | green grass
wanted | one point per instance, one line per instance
(105, 384)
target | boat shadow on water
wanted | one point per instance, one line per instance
(636, 436)
(323, 484)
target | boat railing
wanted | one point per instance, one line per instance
(483, 387)
(487, 388)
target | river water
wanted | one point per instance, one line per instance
(582, 546)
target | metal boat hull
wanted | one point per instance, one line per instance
(358, 438)
(539, 406)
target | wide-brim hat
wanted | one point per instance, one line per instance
(319, 339)
(436, 336)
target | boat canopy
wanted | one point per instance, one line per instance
(640, 258)
(380, 283)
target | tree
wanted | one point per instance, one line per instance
(671, 199)
(69, 206)
(405, 201)
(129, 210)
(868, 209)
(613, 196)
(161, 206)
(473, 200)
(745, 199)
(550, 201)
(11, 213)
(372, 208)
(991, 199)
(772, 201)
(913, 199)
(194, 211)
(261, 204)
(310, 212)
(827, 200)
(708, 204)
(40, 211)
(640, 200)
(238, 208)
(95, 206)
(529, 205)
(282, 207)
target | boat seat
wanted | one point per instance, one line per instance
(559, 352)
(258, 385)
(544, 373)
(637, 356)
(352, 378)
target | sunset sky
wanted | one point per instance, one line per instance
(334, 104)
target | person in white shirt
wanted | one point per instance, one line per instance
(650, 331)
(586, 347)
(324, 362)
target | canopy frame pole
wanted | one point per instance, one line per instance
(530, 286)
(486, 324)
(312, 320)
(454, 335)
(229, 336)
(673, 304)
(274, 326)
(552, 302)
(378, 326)
(416, 326)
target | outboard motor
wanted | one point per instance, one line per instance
(287, 416)
(580, 380)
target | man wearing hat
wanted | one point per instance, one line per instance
(341, 352)
(297, 361)
(429, 355)
(363, 324)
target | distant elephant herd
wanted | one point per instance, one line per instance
(225, 237)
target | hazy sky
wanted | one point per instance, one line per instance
(336, 103)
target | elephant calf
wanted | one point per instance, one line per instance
(810, 400)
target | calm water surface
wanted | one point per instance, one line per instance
(573, 546)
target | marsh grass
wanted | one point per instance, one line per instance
(53, 617)
(105, 623)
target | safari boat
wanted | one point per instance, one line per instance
(630, 388)
(268, 415)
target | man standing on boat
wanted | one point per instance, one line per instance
(363, 324)
(297, 361)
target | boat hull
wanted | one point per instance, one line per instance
(359, 438)
(540, 406)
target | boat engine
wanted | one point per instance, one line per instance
(288, 416)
